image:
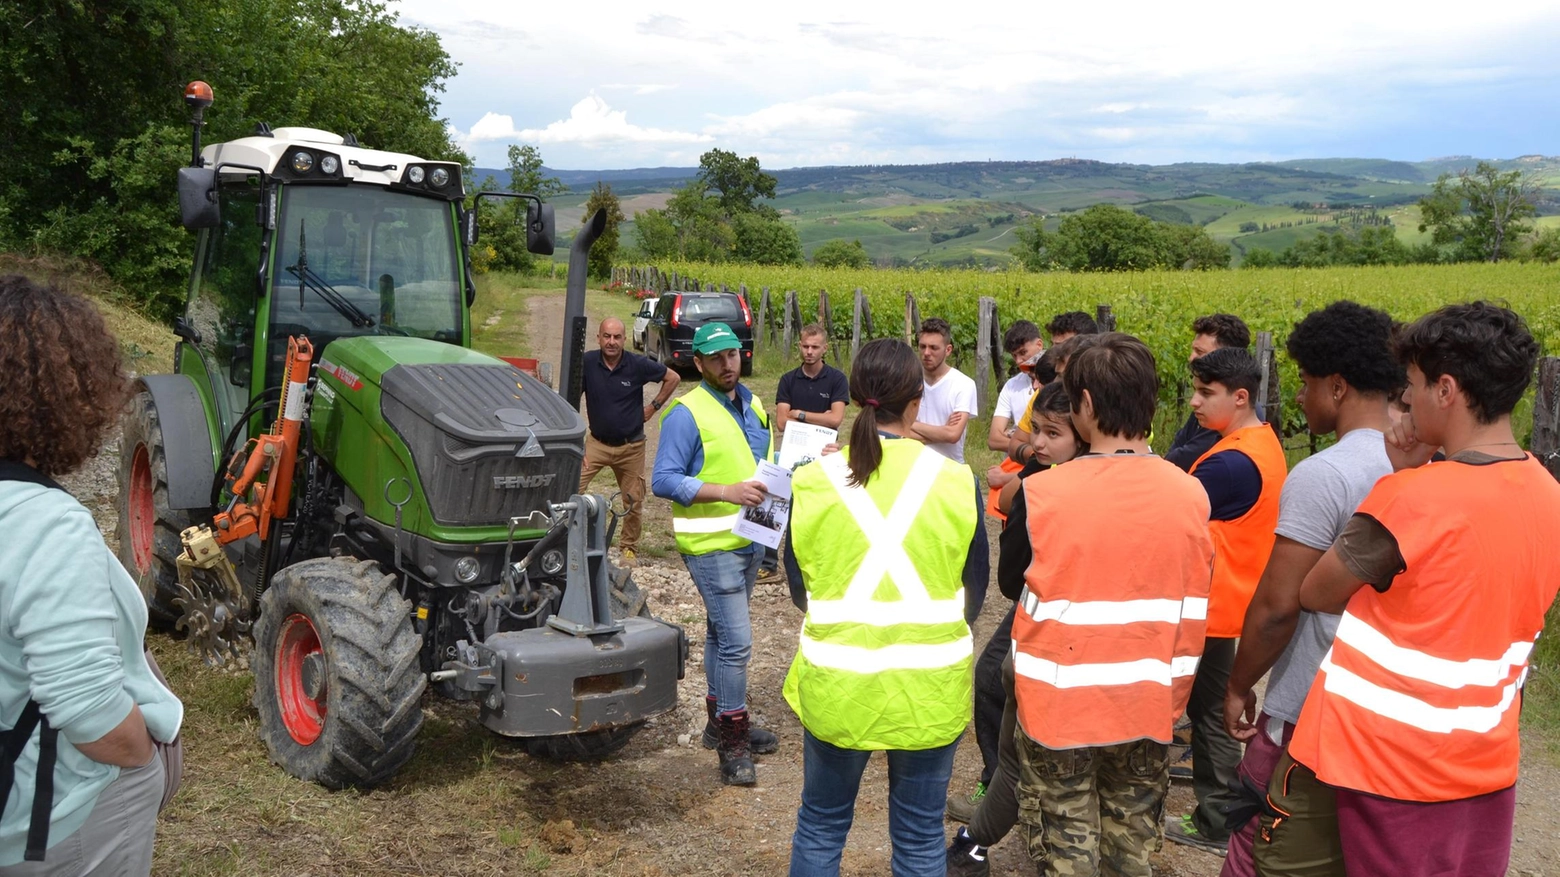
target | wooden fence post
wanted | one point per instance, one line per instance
(1104, 318)
(912, 320)
(855, 322)
(792, 312)
(1546, 415)
(985, 323)
(763, 330)
(1268, 390)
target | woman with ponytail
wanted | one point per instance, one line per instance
(881, 535)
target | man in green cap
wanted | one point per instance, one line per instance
(712, 438)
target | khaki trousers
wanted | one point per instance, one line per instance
(627, 463)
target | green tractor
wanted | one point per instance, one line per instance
(412, 520)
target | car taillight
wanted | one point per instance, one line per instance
(747, 313)
(676, 310)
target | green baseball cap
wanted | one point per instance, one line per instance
(713, 338)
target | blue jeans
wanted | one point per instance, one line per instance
(725, 581)
(917, 794)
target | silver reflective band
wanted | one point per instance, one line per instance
(1400, 707)
(895, 657)
(1090, 675)
(1401, 661)
(1114, 611)
(721, 524)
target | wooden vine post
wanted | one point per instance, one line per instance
(861, 317)
(986, 325)
(912, 320)
(1104, 318)
(1546, 415)
(1268, 390)
(764, 331)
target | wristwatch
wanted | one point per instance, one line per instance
(801, 416)
(655, 404)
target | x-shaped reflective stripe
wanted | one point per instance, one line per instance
(886, 536)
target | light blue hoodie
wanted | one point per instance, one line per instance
(72, 624)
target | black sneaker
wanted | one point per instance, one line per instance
(1183, 830)
(966, 858)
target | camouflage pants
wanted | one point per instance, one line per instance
(1092, 811)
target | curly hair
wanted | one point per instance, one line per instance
(64, 383)
(1228, 329)
(1076, 322)
(1486, 347)
(1351, 341)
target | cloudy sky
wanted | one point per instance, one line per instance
(614, 85)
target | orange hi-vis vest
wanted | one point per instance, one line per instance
(992, 509)
(1418, 698)
(1110, 625)
(1241, 547)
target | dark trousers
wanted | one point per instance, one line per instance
(998, 811)
(991, 695)
(1215, 754)
(977, 569)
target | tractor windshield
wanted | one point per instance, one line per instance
(364, 260)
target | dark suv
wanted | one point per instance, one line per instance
(669, 337)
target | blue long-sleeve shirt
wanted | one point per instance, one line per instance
(680, 454)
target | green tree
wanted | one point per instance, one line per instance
(1479, 214)
(1544, 246)
(525, 174)
(739, 181)
(765, 240)
(839, 253)
(1260, 257)
(604, 251)
(1190, 247)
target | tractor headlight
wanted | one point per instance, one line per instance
(329, 164)
(552, 562)
(440, 177)
(467, 569)
(302, 162)
(415, 174)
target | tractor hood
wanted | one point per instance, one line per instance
(489, 441)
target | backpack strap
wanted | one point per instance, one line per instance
(11, 470)
(15, 740)
(12, 742)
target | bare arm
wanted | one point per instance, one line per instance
(128, 745)
(997, 437)
(1329, 585)
(782, 416)
(668, 386)
(950, 433)
(831, 418)
(1269, 625)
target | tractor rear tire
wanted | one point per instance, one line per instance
(148, 529)
(338, 684)
(627, 602)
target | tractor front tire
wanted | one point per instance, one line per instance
(338, 684)
(627, 602)
(148, 529)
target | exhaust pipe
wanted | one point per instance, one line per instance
(571, 371)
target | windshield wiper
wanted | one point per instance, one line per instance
(307, 279)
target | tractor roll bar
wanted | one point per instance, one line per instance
(571, 372)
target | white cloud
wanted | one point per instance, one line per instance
(590, 122)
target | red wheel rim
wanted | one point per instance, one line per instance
(143, 510)
(298, 654)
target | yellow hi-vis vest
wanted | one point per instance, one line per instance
(886, 660)
(728, 458)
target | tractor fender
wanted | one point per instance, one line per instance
(186, 437)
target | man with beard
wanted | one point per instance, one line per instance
(712, 438)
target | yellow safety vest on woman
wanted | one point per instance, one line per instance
(886, 660)
(705, 527)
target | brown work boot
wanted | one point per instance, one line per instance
(760, 742)
(736, 760)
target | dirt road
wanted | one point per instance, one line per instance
(471, 804)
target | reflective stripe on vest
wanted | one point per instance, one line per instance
(728, 458)
(885, 659)
(1241, 547)
(1417, 698)
(1112, 622)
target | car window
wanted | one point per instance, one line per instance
(712, 307)
(647, 307)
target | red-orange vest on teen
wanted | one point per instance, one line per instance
(1241, 547)
(992, 508)
(1419, 696)
(1110, 625)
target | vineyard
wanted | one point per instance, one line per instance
(1158, 307)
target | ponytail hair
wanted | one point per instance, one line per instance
(885, 378)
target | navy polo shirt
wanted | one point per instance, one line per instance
(615, 398)
(813, 395)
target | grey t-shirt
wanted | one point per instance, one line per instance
(1319, 497)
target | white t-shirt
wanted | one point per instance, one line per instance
(1014, 398)
(940, 401)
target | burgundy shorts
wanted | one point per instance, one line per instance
(1466, 838)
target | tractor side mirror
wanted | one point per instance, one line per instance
(468, 226)
(539, 228)
(198, 197)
